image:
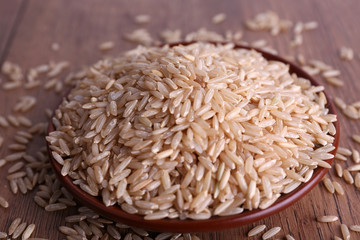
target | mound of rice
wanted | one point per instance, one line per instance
(191, 131)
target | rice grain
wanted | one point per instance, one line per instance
(28, 231)
(340, 103)
(271, 232)
(339, 170)
(357, 180)
(289, 237)
(19, 230)
(356, 138)
(219, 18)
(327, 219)
(344, 151)
(345, 232)
(141, 19)
(355, 228)
(338, 188)
(3, 122)
(55, 207)
(256, 230)
(105, 46)
(348, 177)
(14, 224)
(355, 156)
(67, 230)
(346, 53)
(3, 202)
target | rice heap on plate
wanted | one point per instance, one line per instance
(191, 131)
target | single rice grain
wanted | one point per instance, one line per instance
(355, 228)
(289, 237)
(219, 18)
(256, 230)
(339, 170)
(357, 180)
(67, 230)
(19, 230)
(340, 103)
(344, 151)
(345, 232)
(141, 19)
(55, 207)
(326, 219)
(14, 224)
(348, 177)
(14, 156)
(3, 202)
(346, 53)
(2, 162)
(354, 168)
(351, 112)
(331, 73)
(28, 231)
(329, 185)
(341, 157)
(271, 232)
(105, 46)
(338, 188)
(356, 138)
(355, 156)
(3, 122)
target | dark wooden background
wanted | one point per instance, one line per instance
(29, 27)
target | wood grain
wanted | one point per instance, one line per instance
(10, 13)
(27, 31)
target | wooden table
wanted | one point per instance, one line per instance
(29, 27)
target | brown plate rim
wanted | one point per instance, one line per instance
(214, 223)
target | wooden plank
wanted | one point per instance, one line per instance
(79, 26)
(9, 12)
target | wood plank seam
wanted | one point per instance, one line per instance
(13, 30)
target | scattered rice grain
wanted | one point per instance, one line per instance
(271, 232)
(345, 232)
(105, 46)
(338, 188)
(348, 177)
(327, 219)
(219, 18)
(28, 231)
(256, 230)
(355, 228)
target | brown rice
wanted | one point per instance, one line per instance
(105, 46)
(28, 231)
(167, 118)
(346, 53)
(327, 219)
(268, 21)
(143, 18)
(345, 232)
(338, 188)
(355, 228)
(219, 18)
(256, 230)
(271, 232)
(19, 230)
(328, 185)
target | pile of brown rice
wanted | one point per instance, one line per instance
(191, 131)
